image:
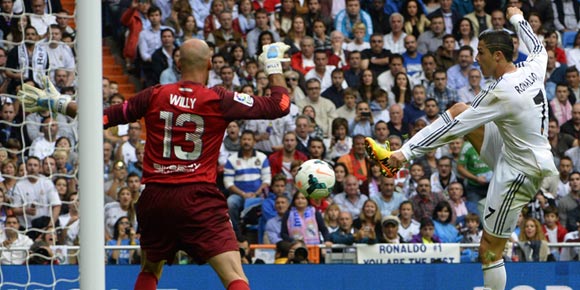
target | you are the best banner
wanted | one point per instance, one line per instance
(408, 253)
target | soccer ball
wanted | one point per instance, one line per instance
(315, 178)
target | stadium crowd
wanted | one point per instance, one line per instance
(381, 68)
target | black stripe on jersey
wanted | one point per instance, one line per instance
(493, 267)
(512, 201)
(525, 27)
(504, 208)
(435, 135)
(484, 93)
(446, 118)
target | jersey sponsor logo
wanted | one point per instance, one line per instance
(182, 102)
(528, 82)
(244, 99)
(168, 169)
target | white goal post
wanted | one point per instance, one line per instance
(90, 90)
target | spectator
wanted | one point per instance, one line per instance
(465, 36)
(123, 235)
(337, 43)
(66, 126)
(553, 230)
(351, 199)
(70, 221)
(441, 92)
(401, 93)
(107, 160)
(188, 29)
(123, 206)
(303, 125)
(11, 237)
(48, 166)
(339, 143)
(353, 73)
(296, 34)
(446, 55)
(44, 146)
(568, 206)
(340, 172)
(274, 225)
(149, 42)
(459, 73)
(444, 176)
(461, 207)
(282, 19)
(224, 36)
(443, 220)
(62, 19)
(281, 159)
(390, 229)
(386, 80)
(173, 73)
(344, 19)
(368, 85)
(363, 121)
(10, 126)
(60, 55)
(331, 218)
(559, 142)
(345, 233)
(126, 150)
(389, 200)
(382, 132)
(425, 201)
(416, 108)
(552, 43)
(231, 142)
(117, 180)
(19, 60)
(303, 222)
(350, 95)
(367, 226)
(325, 109)
(292, 79)
(426, 233)
(303, 61)
(415, 20)
(472, 232)
(261, 16)
(408, 227)
(246, 175)
(561, 106)
(162, 57)
(396, 125)
(468, 92)
(335, 92)
(227, 75)
(428, 67)
(431, 40)
(355, 161)
(479, 18)
(35, 196)
(532, 245)
(449, 14)
(211, 21)
(358, 43)
(41, 18)
(315, 13)
(323, 73)
(134, 184)
(411, 57)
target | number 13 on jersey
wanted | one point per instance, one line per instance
(194, 137)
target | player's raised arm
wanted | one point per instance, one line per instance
(244, 106)
(537, 51)
(34, 99)
(129, 111)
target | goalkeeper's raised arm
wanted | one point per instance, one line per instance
(35, 99)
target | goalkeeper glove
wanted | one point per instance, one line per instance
(35, 99)
(273, 56)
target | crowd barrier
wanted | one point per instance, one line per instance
(521, 276)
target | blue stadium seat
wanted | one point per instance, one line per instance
(568, 39)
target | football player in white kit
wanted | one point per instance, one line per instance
(508, 124)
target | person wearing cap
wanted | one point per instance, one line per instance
(390, 226)
(426, 233)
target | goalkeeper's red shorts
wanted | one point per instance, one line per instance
(192, 218)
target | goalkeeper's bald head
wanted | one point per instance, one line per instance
(195, 55)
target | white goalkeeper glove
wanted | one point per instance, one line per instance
(273, 56)
(34, 99)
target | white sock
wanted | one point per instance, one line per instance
(494, 276)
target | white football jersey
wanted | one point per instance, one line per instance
(516, 103)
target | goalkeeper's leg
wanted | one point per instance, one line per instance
(228, 266)
(150, 273)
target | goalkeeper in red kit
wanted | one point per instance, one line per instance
(181, 207)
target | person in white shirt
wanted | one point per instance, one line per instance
(322, 71)
(39, 19)
(43, 146)
(395, 40)
(35, 196)
(508, 124)
(10, 237)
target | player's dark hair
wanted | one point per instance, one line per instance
(498, 40)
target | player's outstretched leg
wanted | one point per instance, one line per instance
(490, 252)
(150, 273)
(381, 155)
(228, 266)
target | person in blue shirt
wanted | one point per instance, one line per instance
(443, 221)
(123, 235)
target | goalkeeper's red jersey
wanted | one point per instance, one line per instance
(185, 124)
